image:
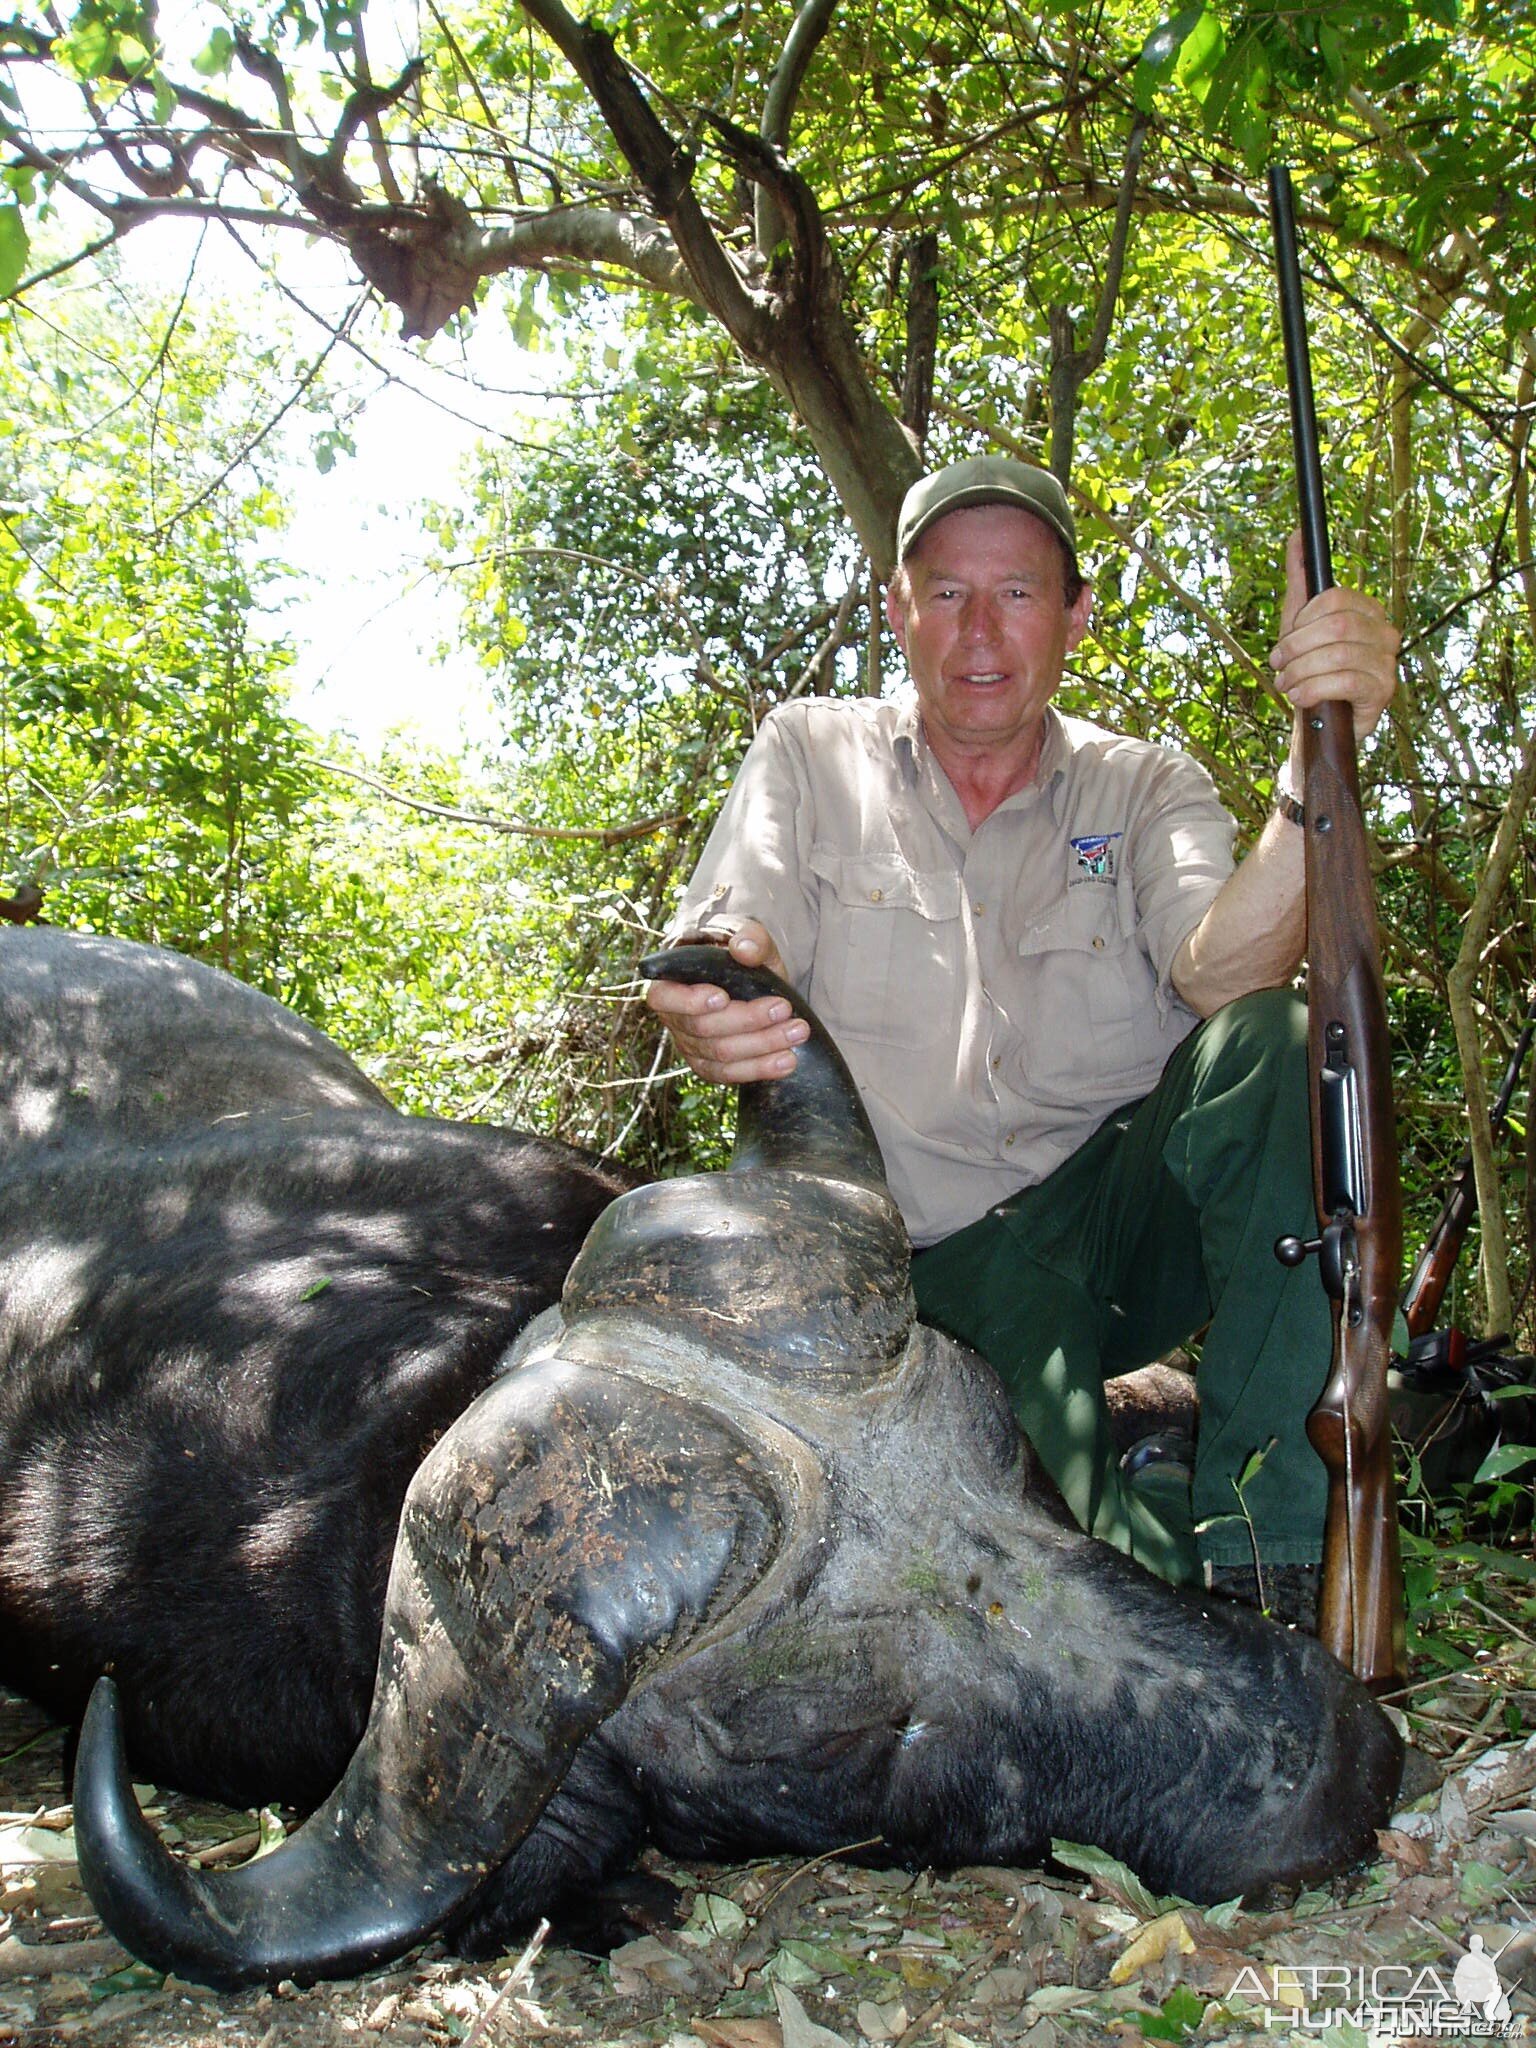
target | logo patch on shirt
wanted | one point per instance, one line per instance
(1097, 855)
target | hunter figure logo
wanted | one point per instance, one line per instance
(1475, 1982)
(1097, 854)
(1388, 2001)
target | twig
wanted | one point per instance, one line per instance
(756, 1944)
(1499, 1620)
(233, 1851)
(804, 1869)
(605, 835)
(1467, 1749)
(1521, 568)
(263, 432)
(833, 641)
(53, 1728)
(522, 1973)
(977, 1967)
(51, 1958)
(610, 1150)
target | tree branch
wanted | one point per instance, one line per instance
(268, 427)
(806, 32)
(1461, 984)
(921, 258)
(611, 835)
(1463, 241)
(1072, 367)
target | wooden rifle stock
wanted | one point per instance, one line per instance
(1355, 1172)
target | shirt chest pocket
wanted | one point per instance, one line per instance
(889, 949)
(1094, 1021)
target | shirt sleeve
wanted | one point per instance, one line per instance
(756, 862)
(1180, 858)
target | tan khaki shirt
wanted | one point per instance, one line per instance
(998, 992)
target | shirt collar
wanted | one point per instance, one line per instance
(908, 736)
(1055, 749)
(1055, 746)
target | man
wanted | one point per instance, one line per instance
(1013, 924)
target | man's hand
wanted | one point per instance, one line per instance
(1339, 644)
(728, 1041)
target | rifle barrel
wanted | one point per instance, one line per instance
(1298, 381)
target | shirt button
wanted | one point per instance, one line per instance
(978, 908)
(875, 895)
(1009, 1139)
(997, 1059)
(719, 890)
(1098, 943)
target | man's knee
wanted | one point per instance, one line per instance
(1257, 1047)
(1243, 1115)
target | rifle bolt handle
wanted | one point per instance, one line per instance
(1291, 1251)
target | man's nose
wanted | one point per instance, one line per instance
(979, 621)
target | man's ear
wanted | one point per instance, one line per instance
(896, 610)
(1078, 614)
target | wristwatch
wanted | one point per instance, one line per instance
(1287, 803)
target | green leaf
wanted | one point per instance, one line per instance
(1481, 1882)
(1409, 62)
(1510, 1562)
(1160, 54)
(1438, 1652)
(15, 245)
(132, 1977)
(1502, 1460)
(1255, 1465)
(786, 1967)
(216, 55)
(89, 48)
(1109, 1871)
(1200, 52)
(1181, 2012)
(714, 1918)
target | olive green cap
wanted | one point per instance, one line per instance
(984, 480)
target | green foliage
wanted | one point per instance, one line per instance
(151, 776)
(142, 709)
(631, 664)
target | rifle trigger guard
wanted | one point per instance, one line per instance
(1338, 1262)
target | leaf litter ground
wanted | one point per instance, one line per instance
(787, 1955)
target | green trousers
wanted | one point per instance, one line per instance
(1161, 1225)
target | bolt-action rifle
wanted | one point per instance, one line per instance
(1354, 1152)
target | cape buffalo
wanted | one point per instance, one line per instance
(730, 1553)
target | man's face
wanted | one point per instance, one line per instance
(985, 625)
